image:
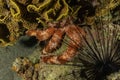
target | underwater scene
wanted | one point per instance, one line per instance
(59, 39)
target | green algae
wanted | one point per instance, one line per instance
(57, 72)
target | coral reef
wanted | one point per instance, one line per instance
(106, 10)
(26, 69)
(19, 16)
(41, 71)
(37, 14)
(11, 22)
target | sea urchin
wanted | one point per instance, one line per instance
(100, 54)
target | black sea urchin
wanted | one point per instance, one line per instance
(100, 54)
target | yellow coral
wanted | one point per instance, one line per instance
(57, 8)
(52, 12)
(2, 18)
(64, 11)
(15, 10)
(46, 14)
(57, 5)
(38, 9)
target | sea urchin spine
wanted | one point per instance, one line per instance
(100, 54)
